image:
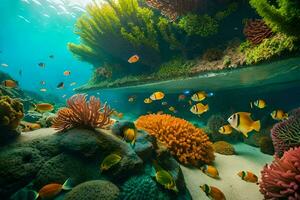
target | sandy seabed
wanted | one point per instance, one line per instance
(248, 158)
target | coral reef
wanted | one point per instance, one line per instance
(188, 143)
(82, 113)
(266, 145)
(97, 189)
(280, 179)
(143, 188)
(286, 134)
(256, 31)
(224, 148)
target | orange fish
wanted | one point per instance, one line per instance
(44, 107)
(248, 176)
(67, 73)
(10, 83)
(133, 59)
(181, 97)
(213, 192)
(51, 190)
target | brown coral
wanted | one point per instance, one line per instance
(224, 148)
(82, 113)
(256, 31)
(188, 143)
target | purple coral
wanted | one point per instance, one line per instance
(286, 134)
(281, 179)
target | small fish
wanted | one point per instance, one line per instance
(43, 82)
(67, 73)
(235, 28)
(258, 103)
(279, 115)
(199, 108)
(226, 129)
(242, 122)
(164, 103)
(131, 98)
(163, 177)
(133, 59)
(130, 135)
(73, 83)
(60, 85)
(248, 176)
(172, 109)
(10, 83)
(211, 171)
(44, 107)
(41, 64)
(64, 96)
(43, 90)
(213, 192)
(4, 65)
(51, 190)
(181, 97)
(51, 56)
(157, 96)
(199, 96)
(109, 161)
(147, 101)
(160, 112)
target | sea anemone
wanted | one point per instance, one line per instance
(281, 179)
(82, 113)
(188, 143)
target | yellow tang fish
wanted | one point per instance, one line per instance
(226, 129)
(44, 107)
(242, 122)
(213, 192)
(199, 108)
(210, 170)
(248, 176)
(130, 135)
(147, 100)
(279, 115)
(163, 177)
(109, 161)
(258, 103)
(199, 96)
(157, 96)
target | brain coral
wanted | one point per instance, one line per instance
(224, 148)
(188, 143)
(142, 188)
(281, 179)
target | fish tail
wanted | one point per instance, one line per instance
(256, 125)
(207, 107)
(67, 184)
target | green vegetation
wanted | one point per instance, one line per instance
(281, 15)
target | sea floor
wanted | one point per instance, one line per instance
(248, 158)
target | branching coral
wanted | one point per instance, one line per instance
(188, 143)
(82, 113)
(281, 179)
(256, 31)
(286, 134)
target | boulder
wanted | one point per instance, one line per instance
(144, 146)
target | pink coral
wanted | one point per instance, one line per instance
(286, 134)
(82, 113)
(281, 179)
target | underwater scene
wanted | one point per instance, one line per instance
(150, 99)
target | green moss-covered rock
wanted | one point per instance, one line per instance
(94, 190)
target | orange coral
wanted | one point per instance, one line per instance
(188, 143)
(82, 113)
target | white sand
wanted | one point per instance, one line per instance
(27, 136)
(248, 159)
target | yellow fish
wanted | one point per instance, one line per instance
(44, 107)
(172, 109)
(211, 171)
(147, 100)
(157, 96)
(279, 115)
(199, 96)
(130, 135)
(242, 122)
(213, 192)
(248, 176)
(258, 103)
(109, 161)
(199, 108)
(226, 129)
(163, 177)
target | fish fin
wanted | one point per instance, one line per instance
(247, 113)
(35, 194)
(207, 107)
(67, 184)
(256, 125)
(251, 105)
(245, 134)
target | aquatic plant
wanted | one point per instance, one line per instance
(286, 134)
(256, 31)
(224, 148)
(82, 113)
(281, 15)
(188, 143)
(281, 179)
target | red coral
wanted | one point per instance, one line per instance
(281, 179)
(256, 31)
(82, 113)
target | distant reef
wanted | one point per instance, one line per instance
(180, 42)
